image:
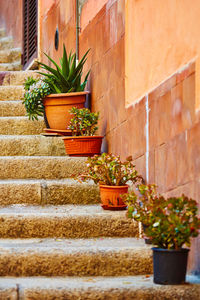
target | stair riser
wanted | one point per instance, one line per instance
(12, 109)
(11, 93)
(90, 288)
(20, 126)
(10, 56)
(89, 263)
(40, 168)
(11, 66)
(113, 294)
(2, 32)
(66, 227)
(31, 146)
(16, 78)
(6, 44)
(48, 194)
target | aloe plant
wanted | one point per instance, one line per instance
(65, 78)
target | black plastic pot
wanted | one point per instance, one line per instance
(169, 266)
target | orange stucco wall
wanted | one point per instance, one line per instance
(56, 14)
(161, 37)
(11, 19)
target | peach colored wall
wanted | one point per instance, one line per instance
(161, 36)
(174, 125)
(11, 19)
(56, 14)
(89, 11)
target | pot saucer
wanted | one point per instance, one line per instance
(58, 131)
(121, 207)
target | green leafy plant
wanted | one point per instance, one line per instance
(107, 169)
(65, 78)
(62, 79)
(84, 122)
(35, 91)
(170, 223)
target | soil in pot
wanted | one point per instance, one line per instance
(83, 145)
(110, 197)
(169, 266)
(57, 108)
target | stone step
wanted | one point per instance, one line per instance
(40, 167)
(14, 66)
(21, 126)
(79, 257)
(9, 56)
(11, 92)
(2, 32)
(139, 287)
(12, 109)
(31, 145)
(6, 43)
(64, 221)
(47, 192)
(16, 77)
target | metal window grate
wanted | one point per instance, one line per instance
(30, 17)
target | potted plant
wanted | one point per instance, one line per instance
(141, 205)
(83, 126)
(112, 175)
(171, 224)
(57, 91)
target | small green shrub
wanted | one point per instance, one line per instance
(65, 78)
(84, 122)
(170, 223)
(107, 169)
(36, 90)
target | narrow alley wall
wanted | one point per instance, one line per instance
(161, 131)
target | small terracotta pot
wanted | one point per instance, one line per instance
(110, 197)
(83, 145)
(57, 108)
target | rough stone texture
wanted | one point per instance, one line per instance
(53, 192)
(64, 221)
(11, 92)
(12, 109)
(14, 66)
(9, 293)
(90, 288)
(93, 257)
(21, 125)
(16, 192)
(31, 145)
(6, 43)
(40, 167)
(8, 56)
(17, 77)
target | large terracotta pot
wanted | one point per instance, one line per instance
(57, 108)
(83, 145)
(110, 197)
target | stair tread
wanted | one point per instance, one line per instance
(49, 245)
(67, 211)
(101, 282)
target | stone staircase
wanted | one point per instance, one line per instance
(55, 240)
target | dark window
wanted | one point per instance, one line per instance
(30, 17)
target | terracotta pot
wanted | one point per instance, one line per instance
(83, 145)
(110, 197)
(57, 108)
